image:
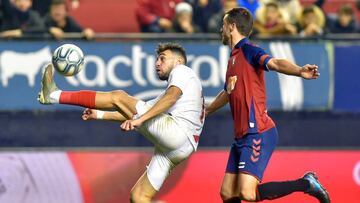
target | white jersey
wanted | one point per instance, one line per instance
(188, 111)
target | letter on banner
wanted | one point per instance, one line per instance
(291, 87)
(100, 77)
(356, 173)
(115, 81)
(137, 56)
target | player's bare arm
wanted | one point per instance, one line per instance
(220, 100)
(93, 114)
(172, 94)
(286, 67)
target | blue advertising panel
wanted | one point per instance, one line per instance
(130, 67)
(347, 85)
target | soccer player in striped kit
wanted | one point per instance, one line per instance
(255, 132)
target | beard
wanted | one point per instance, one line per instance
(225, 39)
(163, 77)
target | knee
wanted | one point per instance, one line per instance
(247, 194)
(138, 197)
(226, 194)
(117, 95)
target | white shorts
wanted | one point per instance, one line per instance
(172, 146)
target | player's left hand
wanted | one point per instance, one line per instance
(130, 124)
(89, 114)
(310, 72)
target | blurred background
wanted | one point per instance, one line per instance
(49, 155)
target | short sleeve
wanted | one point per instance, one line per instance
(256, 56)
(179, 77)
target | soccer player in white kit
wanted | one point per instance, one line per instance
(172, 122)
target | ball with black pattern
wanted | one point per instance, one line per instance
(68, 59)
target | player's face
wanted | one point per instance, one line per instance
(225, 32)
(165, 62)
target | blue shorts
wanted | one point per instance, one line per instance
(251, 153)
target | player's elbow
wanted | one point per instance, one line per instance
(172, 100)
(273, 64)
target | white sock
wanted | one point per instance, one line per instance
(55, 96)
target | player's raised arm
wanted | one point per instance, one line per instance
(93, 114)
(170, 97)
(286, 67)
(220, 100)
(172, 94)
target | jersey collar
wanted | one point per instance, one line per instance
(238, 46)
(241, 42)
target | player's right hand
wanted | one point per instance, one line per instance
(89, 114)
(310, 72)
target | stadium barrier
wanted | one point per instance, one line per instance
(66, 129)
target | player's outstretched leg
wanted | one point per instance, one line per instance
(316, 189)
(118, 100)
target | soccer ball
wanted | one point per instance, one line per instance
(68, 59)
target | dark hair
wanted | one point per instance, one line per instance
(174, 48)
(272, 4)
(308, 9)
(346, 9)
(242, 19)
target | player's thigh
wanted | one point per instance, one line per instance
(117, 99)
(124, 103)
(163, 162)
(164, 132)
(143, 189)
(181, 153)
(238, 185)
(255, 151)
(229, 185)
(247, 186)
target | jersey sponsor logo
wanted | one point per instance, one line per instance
(231, 84)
